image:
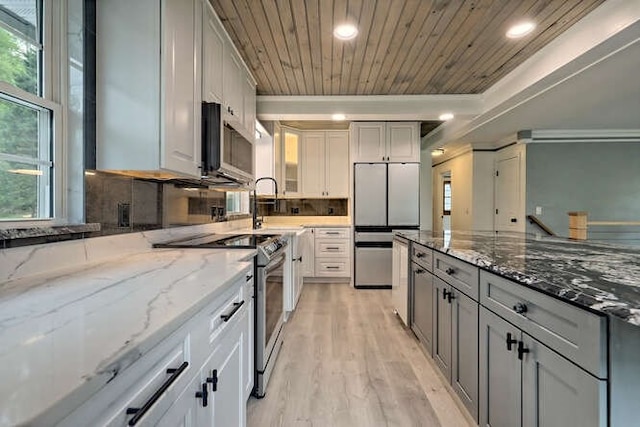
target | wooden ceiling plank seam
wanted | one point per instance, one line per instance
(389, 29)
(552, 32)
(354, 10)
(402, 56)
(289, 31)
(365, 21)
(315, 43)
(401, 37)
(415, 55)
(494, 60)
(373, 41)
(238, 32)
(257, 25)
(339, 16)
(484, 40)
(275, 28)
(302, 37)
(326, 35)
(544, 17)
(445, 18)
(453, 35)
(443, 73)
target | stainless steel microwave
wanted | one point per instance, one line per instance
(225, 151)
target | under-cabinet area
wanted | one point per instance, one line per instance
(516, 341)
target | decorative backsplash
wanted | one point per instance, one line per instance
(303, 207)
(124, 204)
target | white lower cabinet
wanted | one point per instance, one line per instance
(332, 252)
(186, 410)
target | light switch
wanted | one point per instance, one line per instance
(538, 210)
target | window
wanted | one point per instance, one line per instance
(28, 117)
(446, 208)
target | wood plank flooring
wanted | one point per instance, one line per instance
(348, 361)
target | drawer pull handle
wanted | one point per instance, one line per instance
(236, 307)
(520, 308)
(332, 267)
(419, 271)
(449, 271)
(204, 395)
(510, 341)
(522, 350)
(213, 380)
(332, 248)
(249, 277)
(332, 233)
(138, 413)
(420, 255)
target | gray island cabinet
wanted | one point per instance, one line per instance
(530, 332)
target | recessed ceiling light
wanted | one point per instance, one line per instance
(345, 31)
(338, 117)
(437, 152)
(520, 29)
(446, 116)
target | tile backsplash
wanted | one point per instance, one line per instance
(124, 204)
(303, 207)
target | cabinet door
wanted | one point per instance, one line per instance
(337, 164)
(232, 86)
(291, 155)
(227, 404)
(500, 372)
(187, 409)
(464, 351)
(249, 107)
(212, 57)
(247, 355)
(422, 305)
(312, 164)
(307, 251)
(369, 142)
(555, 392)
(182, 86)
(442, 328)
(403, 142)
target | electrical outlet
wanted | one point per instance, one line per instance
(124, 215)
(295, 210)
(330, 211)
(538, 210)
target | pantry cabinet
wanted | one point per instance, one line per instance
(325, 164)
(397, 142)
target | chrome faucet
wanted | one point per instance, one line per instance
(257, 224)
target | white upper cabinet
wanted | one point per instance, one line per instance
(148, 110)
(212, 57)
(385, 142)
(403, 142)
(249, 106)
(233, 86)
(325, 164)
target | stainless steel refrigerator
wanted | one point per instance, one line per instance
(386, 197)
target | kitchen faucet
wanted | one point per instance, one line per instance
(256, 224)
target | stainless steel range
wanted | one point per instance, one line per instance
(269, 311)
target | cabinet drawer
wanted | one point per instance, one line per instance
(576, 334)
(168, 368)
(422, 256)
(332, 248)
(332, 233)
(458, 274)
(328, 267)
(221, 316)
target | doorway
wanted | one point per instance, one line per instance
(442, 201)
(509, 192)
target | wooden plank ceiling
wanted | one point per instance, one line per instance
(403, 46)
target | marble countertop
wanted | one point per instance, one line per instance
(70, 331)
(600, 277)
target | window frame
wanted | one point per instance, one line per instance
(444, 196)
(53, 89)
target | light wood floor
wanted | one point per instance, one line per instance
(348, 361)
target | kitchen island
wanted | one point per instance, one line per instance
(562, 317)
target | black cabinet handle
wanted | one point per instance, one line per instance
(520, 308)
(138, 413)
(445, 293)
(420, 255)
(213, 380)
(249, 277)
(236, 307)
(450, 297)
(419, 271)
(521, 349)
(298, 259)
(204, 395)
(510, 341)
(332, 267)
(332, 248)
(449, 271)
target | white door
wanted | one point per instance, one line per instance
(508, 195)
(369, 142)
(312, 165)
(403, 142)
(337, 164)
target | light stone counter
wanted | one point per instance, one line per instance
(66, 333)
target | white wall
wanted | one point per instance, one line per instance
(461, 168)
(482, 196)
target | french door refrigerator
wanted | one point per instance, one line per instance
(386, 197)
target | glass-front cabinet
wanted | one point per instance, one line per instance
(291, 140)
